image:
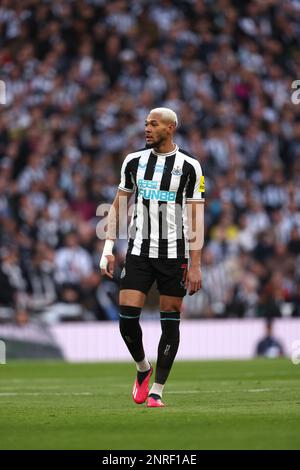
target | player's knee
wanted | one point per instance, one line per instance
(170, 304)
(170, 307)
(131, 298)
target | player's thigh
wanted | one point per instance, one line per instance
(132, 298)
(136, 280)
(168, 303)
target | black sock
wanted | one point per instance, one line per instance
(168, 345)
(155, 396)
(142, 375)
(131, 331)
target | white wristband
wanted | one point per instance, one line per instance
(107, 250)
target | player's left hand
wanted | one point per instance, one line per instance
(193, 279)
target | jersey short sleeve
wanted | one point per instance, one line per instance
(196, 183)
(126, 183)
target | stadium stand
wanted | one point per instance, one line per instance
(80, 78)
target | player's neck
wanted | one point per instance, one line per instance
(165, 147)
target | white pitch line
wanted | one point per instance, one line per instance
(183, 392)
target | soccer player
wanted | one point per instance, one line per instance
(165, 240)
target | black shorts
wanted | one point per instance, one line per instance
(140, 272)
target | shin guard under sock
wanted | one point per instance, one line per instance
(168, 345)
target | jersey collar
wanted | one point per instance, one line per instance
(166, 154)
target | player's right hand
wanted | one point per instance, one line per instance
(193, 280)
(107, 265)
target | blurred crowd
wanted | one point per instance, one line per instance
(80, 78)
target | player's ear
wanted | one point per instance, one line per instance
(171, 126)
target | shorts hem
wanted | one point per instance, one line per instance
(143, 291)
(172, 294)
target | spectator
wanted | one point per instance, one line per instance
(73, 264)
(269, 346)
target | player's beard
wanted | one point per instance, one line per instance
(154, 143)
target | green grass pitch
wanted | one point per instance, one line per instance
(209, 405)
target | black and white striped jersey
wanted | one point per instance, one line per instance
(163, 183)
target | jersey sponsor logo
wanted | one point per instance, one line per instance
(149, 190)
(177, 171)
(202, 185)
